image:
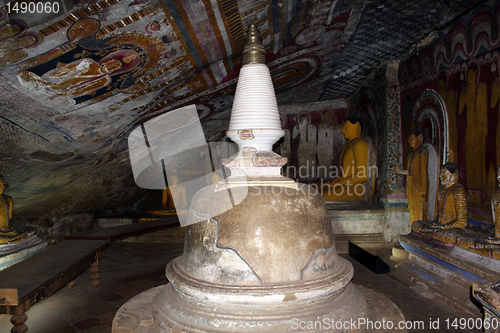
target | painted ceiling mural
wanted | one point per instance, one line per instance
(74, 82)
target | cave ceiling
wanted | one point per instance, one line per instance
(74, 82)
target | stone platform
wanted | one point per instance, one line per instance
(446, 269)
(357, 222)
(136, 316)
(14, 253)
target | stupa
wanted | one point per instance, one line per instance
(263, 257)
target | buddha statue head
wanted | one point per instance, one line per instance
(416, 138)
(352, 128)
(174, 180)
(450, 172)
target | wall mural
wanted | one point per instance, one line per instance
(15, 40)
(460, 111)
(313, 139)
(92, 69)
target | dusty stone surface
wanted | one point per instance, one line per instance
(274, 231)
(136, 315)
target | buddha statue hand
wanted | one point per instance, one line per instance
(401, 171)
(422, 226)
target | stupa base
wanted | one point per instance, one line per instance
(139, 315)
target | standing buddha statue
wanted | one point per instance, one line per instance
(417, 177)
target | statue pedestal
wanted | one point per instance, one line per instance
(447, 270)
(13, 253)
(357, 222)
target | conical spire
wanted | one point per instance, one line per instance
(255, 120)
(253, 52)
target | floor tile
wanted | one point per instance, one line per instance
(87, 323)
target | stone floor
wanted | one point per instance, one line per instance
(128, 268)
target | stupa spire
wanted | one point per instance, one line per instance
(254, 52)
(255, 120)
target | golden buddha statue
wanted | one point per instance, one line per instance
(174, 198)
(452, 208)
(9, 234)
(416, 177)
(349, 186)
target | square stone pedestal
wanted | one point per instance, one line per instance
(356, 222)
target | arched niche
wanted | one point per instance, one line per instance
(430, 115)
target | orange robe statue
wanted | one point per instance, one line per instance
(452, 208)
(417, 181)
(349, 186)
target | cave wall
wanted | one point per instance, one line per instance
(450, 87)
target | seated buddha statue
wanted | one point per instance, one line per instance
(417, 177)
(174, 198)
(353, 166)
(451, 217)
(9, 234)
